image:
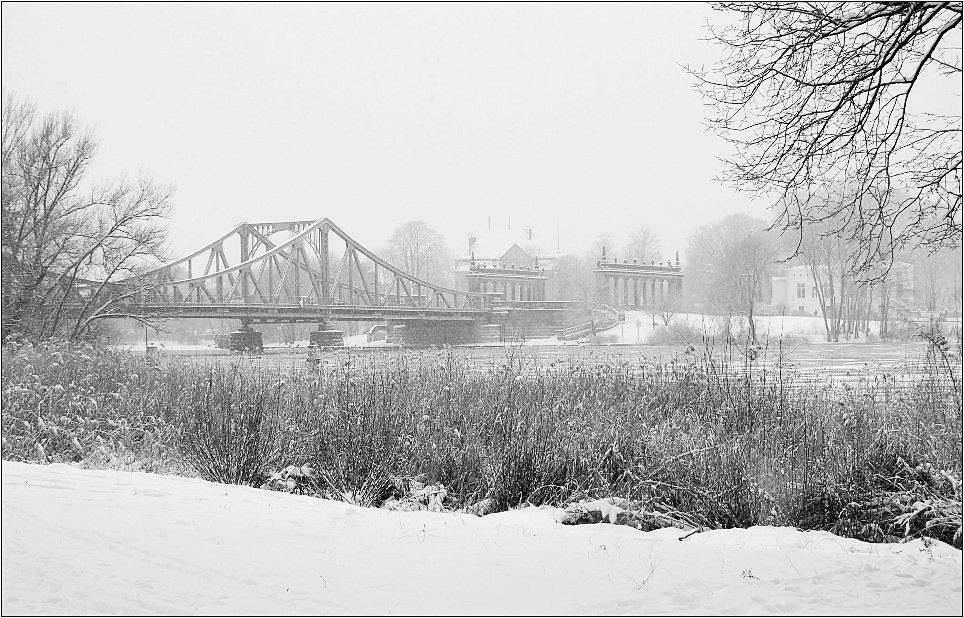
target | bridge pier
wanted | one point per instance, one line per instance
(397, 334)
(425, 334)
(326, 336)
(489, 333)
(245, 339)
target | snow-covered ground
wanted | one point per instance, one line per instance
(638, 327)
(89, 542)
(810, 328)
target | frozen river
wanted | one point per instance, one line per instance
(814, 363)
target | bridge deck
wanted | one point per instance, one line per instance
(310, 313)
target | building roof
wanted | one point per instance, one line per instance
(493, 244)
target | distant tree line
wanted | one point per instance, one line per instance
(729, 266)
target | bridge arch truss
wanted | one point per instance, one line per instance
(316, 273)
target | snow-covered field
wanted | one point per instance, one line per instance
(810, 328)
(84, 542)
(638, 327)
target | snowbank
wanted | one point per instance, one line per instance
(82, 541)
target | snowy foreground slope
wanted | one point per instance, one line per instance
(82, 541)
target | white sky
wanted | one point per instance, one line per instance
(375, 115)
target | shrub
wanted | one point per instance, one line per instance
(228, 423)
(676, 334)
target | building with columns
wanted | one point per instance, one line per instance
(515, 283)
(510, 263)
(631, 284)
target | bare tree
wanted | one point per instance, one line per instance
(815, 97)
(574, 278)
(826, 257)
(68, 245)
(643, 245)
(728, 264)
(664, 307)
(937, 282)
(421, 251)
(846, 302)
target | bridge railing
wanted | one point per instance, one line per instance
(574, 332)
(558, 305)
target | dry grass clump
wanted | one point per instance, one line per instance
(84, 405)
(702, 439)
(227, 424)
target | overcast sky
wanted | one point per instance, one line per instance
(579, 116)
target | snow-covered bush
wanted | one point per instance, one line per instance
(81, 405)
(906, 503)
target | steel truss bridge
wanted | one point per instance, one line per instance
(289, 271)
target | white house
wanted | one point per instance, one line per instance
(795, 292)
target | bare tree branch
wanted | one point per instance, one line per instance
(814, 96)
(57, 234)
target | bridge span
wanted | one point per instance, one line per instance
(280, 313)
(296, 271)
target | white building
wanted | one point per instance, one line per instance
(513, 255)
(795, 292)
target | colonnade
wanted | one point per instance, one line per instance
(638, 290)
(514, 290)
